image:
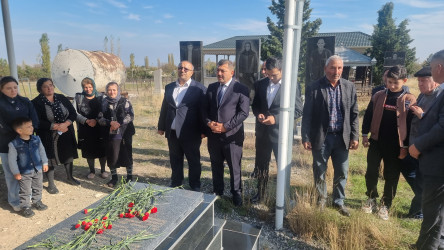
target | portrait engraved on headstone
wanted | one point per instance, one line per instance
(319, 49)
(392, 58)
(247, 61)
(192, 51)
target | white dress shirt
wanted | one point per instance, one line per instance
(178, 94)
(223, 88)
(272, 90)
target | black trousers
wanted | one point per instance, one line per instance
(388, 152)
(264, 147)
(232, 153)
(191, 149)
(432, 227)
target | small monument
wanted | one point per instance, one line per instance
(158, 88)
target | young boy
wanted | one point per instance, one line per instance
(26, 157)
(388, 119)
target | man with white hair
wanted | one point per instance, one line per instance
(330, 127)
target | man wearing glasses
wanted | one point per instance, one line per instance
(181, 121)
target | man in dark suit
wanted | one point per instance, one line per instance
(330, 127)
(428, 148)
(266, 105)
(181, 121)
(226, 106)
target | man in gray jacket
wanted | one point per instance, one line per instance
(330, 127)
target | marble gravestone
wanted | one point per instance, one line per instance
(158, 88)
(173, 207)
(192, 51)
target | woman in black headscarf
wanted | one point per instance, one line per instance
(117, 115)
(56, 115)
(90, 138)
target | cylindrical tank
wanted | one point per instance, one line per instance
(71, 66)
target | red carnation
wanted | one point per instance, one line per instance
(85, 211)
(105, 218)
(154, 210)
(147, 213)
(131, 204)
(121, 215)
(87, 227)
(83, 223)
(144, 218)
(109, 226)
(100, 231)
(96, 220)
(77, 225)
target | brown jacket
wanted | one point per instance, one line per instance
(403, 104)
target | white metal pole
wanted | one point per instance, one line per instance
(290, 8)
(9, 40)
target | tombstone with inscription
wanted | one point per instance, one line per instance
(319, 49)
(158, 88)
(247, 61)
(393, 58)
(192, 51)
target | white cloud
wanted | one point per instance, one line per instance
(91, 5)
(117, 4)
(148, 7)
(422, 4)
(133, 17)
(158, 21)
(340, 15)
(168, 16)
(250, 25)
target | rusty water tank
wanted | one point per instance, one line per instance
(71, 66)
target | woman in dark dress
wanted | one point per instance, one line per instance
(12, 106)
(117, 116)
(90, 138)
(56, 115)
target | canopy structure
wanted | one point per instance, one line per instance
(353, 58)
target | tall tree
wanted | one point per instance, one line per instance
(46, 57)
(132, 63)
(147, 62)
(59, 48)
(105, 44)
(111, 44)
(274, 46)
(389, 37)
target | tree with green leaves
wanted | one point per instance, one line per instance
(46, 57)
(105, 44)
(389, 37)
(274, 45)
(59, 48)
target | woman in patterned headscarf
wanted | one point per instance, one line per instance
(117, 116)
(89, 134)
(56, 115)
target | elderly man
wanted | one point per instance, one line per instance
(330, 127)
(181, 121)
(428, 147)
(429, 89)
(226, 106)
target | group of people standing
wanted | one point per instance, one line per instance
(105, 129)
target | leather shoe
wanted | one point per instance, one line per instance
(342, 210)
(237, 200)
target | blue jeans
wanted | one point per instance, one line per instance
(11, 182)
(335, 148)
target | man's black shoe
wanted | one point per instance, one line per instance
(237, 200)
(342, 210)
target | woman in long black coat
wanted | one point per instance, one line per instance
(56, 115)
(90, 137)
(117, 116)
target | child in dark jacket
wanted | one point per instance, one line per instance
(388, 119)
(27, 158)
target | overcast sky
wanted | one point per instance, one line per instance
(154, 28)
